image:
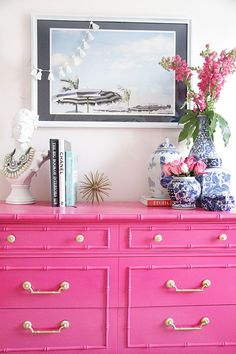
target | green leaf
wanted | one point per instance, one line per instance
(196, 131)
(224, 128)
(187, 130)
(185, 119)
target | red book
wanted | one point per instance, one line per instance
(155, 202)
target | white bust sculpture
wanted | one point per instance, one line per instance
(24, 161)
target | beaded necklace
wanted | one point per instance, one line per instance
(13, 168)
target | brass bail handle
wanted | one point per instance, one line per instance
(63, 325)
(28, 286)
(169, 322)
(205, 284)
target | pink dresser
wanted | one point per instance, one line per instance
(117, 278)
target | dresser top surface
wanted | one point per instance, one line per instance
(107, 211)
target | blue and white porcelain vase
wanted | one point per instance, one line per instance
(216, 179)
(183, 192)
(157, 181)
(203, 147)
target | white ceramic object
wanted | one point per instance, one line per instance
(166, 152)
(23, 162)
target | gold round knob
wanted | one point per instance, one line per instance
(79, 238)
(206, 283)
(27, 325)
(170, 284)
(65, 324)
(205, 321)
(158, 238)
(223, 237)
(11, 238)
(64, 285)
(169, 322)
(26, 285)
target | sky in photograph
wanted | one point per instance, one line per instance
(127, 59)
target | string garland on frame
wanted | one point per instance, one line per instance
(77, 57)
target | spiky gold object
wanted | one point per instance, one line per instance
(95, 187)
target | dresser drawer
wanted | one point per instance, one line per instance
(177, 236)
(58, 283)
(176, 281)
(198, 326)
(84, 329)
(64, 238)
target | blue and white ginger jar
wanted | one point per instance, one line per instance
(184, 192)
(157, 181)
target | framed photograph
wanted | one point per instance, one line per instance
(106, 72)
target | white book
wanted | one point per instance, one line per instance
(63, 146)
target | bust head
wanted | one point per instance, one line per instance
(24, 124)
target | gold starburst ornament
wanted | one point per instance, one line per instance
(94, 187)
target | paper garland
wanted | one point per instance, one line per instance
(77, 57)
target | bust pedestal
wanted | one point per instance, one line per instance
(20, 185)
(20, 194)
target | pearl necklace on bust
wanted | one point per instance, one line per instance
(13, 168)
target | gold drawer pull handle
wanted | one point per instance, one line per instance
(205, 284)
(223, 237)
(28, 325)
(169, 322)
(79, 238)
(11, 238)
(158, 238)
(63, 286)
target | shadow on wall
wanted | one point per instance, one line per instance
(40, 185)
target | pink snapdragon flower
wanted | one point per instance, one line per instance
(180, 66)
(211, 76)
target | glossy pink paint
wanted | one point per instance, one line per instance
(118, 298)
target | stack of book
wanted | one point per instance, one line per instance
(63, 169)
(155, 202)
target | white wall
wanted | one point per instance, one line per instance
(121, 154)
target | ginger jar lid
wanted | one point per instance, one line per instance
(166, 146)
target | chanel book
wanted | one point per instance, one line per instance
(63, 146)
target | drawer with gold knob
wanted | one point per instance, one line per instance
(52, 238)
(158, 237)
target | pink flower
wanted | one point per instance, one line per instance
(184, 167)
(212, 75)
(166, 169)
(174, 167)
(191, 162)
(199, 168)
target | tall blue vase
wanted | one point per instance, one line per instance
(216, 181)
(203, 147)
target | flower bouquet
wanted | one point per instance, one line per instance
(216, 67)
(188, 167)
(183, 188)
